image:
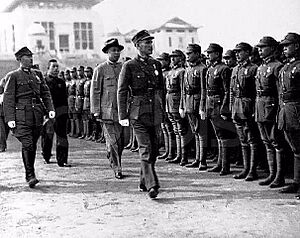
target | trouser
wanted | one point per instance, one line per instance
(148, 141)
(28, 136)
(4, 130)
(62, 146)
(114, 137)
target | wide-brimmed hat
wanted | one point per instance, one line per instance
(113, 42)
(141, 35)
(23, 51)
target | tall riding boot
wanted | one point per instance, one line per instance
(279, 178)
(28, 160)
(246, 162)
(294, 187)
(88, 130)
(166, 142)
(72, 128)
(272, 167)
(203, 154)
(172, 145)
(225, 158)
(196, 162)
(184, 157)
(218, 166)
(84, 130)
(77, 128)
(178, 149)
(252, 175)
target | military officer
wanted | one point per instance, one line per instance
(4, 129)
(266, 108)
(142, 78)
(104, 103)
(242, 103)
(71, 101)
(174, 82)
(193, 103)
(86, 113)
(59, 96)
(230, 59)
(79, 102)
(167, 129)
(217, 106)
(289, 89)
(26, 97)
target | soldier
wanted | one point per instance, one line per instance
(217, 106)
(79, 102)
(71, 101)
(104, 103)
(86, 114)
(266, 108)
(289, 88)
(174, 82)
(193, 100)
(166, 126)
(230, 59)
(142, 78)
(59, 96)
(26, 97)
(4, 129)
(242, 103)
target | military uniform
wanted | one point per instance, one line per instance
(4, 129)
(143, 79)
(289, 117)
(79, 104)
(193, 100)
(266, 108)
(71, 88)
(217, 105)
(59, 96)
(26, 96)
(86, 113)
(242, 104)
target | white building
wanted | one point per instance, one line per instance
(58, 28)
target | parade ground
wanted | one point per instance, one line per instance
(86, 200)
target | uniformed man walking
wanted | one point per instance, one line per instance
(59, 96)
(104, 106)
(266, 108)
(141, 84)
(26, 97)
(289, 89)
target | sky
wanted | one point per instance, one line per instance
(226, 22)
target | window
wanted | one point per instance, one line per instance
(168, 30)
(49, 28)
(193, 41)
(180, 30)
(170, 42)
(83, 35)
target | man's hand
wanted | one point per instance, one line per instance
(124, 122)
(11, 124)
(224, 117)
(202, 115)
(181, 112)
(51, 114)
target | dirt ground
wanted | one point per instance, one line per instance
(87, 201)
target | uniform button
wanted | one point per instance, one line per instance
(150, 100)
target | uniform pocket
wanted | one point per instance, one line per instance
(20, 113)
(270, 109)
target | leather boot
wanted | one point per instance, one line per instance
(178, 149)
(279, 178)
(84, 130)
(203, 154)
(184, 157)
(196, 162)
(225, 159)
(28, 160)
(166, 142)
(252, 175)
(272, 167)
(295, 186)
(218, 166)
(246, 162)
(72, 128)
(172, 145)
(88, 130)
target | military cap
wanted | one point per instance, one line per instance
(193, 48)
(229, 54)
(113, 42)
(243, 46)
(177, 53)
(163, 56)
(267, 41)
(80, 67)
(88, 68)
(73, 69)
(290, 38)
(67, 70)
(23, 51)
(141, 35)
(213, 47)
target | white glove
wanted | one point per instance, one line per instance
(181, 112)
(124, 122)
(11, 124)
(202, 115)
(51, 114)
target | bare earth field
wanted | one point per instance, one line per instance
(87, 201)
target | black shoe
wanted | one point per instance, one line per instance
(142, 188)
(292, 188)
(119, 175)
(32, 182)
(153, 192)
(194, 164)
(64, 165)
(202, 167)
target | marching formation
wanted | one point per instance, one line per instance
(215, 105)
